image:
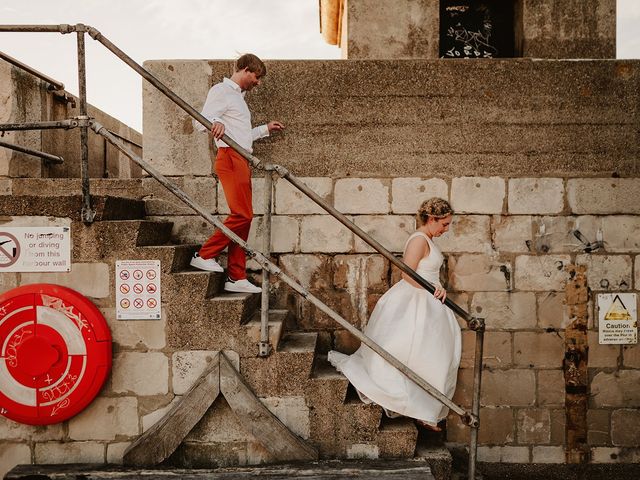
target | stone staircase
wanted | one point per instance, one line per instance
(295, 381)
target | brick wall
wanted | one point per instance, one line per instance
(507, 259)
(523, 167)
(526, 151)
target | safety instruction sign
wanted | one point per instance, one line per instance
(617, 318)
(138, 289)
(35, 249)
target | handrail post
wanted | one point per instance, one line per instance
(265, 347)
(87, 212)
(475, 406)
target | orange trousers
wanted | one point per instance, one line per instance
(235, 176)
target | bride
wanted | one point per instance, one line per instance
(415, 327)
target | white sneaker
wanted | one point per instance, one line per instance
(209, 264)
(242, 286)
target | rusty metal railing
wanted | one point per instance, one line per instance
(474, 323)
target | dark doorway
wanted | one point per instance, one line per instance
(476, 29)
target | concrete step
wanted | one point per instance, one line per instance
(327, 379)
(286, 372)
(53, 187)
(397, 437)
(277, 320)
(386, 470)
(204, 284)
(195, 322)
(439, 459)
(117, 239)
(172, 257)
(232, 308)
(339, 413)
(70, 206)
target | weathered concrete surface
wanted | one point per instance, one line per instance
(402, 29)
(569, 29)
(24, 98)
(410, 29)
(416, 117)
(106, 208)
(386, 470)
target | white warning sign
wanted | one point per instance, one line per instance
(35, 249)
(138, 289)
(617, 318)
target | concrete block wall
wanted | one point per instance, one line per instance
(523, 167)
(26, 99)
(507, 256)
(543, 29)
(139, 382)
(148, 374)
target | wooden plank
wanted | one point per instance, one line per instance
(283, 444)
(161, 440)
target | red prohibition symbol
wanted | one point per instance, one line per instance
(55, 353)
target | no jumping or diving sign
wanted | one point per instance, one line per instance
(35, 249)
(138, 290)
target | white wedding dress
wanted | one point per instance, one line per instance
(418, 330)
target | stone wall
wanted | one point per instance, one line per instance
(526, 151)
(543, 29)
(508, 256)
(416, 118)
(24, 98)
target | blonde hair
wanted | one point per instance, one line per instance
(435, 208)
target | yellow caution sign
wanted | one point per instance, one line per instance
(617, 318)
(617, 311)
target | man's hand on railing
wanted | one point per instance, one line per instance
(275, 126)
(217, 130)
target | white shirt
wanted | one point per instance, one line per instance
(225, 104)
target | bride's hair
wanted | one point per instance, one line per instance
(434, 207)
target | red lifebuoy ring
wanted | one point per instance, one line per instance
(55, 353)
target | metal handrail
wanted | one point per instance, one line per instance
(62, 124)
(275, 270)
(35, 153)
(474, 323)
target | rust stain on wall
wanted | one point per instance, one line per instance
(576, 355)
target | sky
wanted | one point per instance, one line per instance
(183, 29)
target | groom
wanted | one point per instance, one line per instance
(226, 108)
